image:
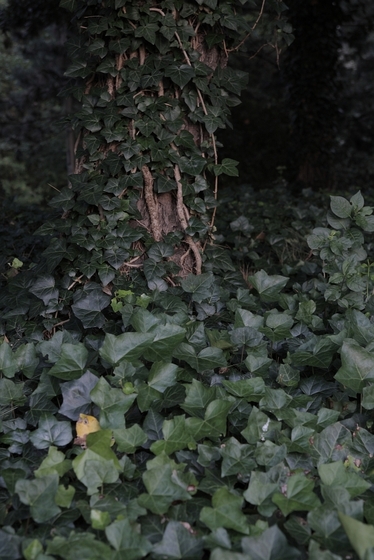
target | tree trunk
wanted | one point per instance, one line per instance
(154, 94)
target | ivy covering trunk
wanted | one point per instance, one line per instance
(156, 88)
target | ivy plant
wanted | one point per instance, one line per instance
(246, 433)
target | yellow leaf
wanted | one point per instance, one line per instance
(85, 425)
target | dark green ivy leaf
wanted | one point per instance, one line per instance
(178, 543)
(39, 494)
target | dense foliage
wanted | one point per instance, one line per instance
(241, 416)
(168, 390)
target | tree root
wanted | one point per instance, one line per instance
(182, 212)
(151, 203)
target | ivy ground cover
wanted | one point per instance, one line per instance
(235, 416)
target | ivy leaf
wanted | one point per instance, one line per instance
(129, 439)
(126, 541)
(166, 338)
(180, 75)
(259, 427)
(268, 286)
(79, 545)
(8, 362)
(11, 394)
(332, 444)
(162, 376)
(54, 463)
(162, 490)
(260, 491)
(192, 166)
(40, 495)
(357, 366)
(68, 4)
(78, 69)
(336, 475)
(116, 256)
(213, 121)
(92, 122)
(361, 536)
(10, 545)
(76, 396)
(237, 458)
(208, 358)
(226, 512)
(270, 545)
(299, 495)
(251, 389)
(44, 288)
(88, 305)
(176, 436)
(113, 404)
(98, 464)
(148, 31)
(71, 362)
(178, 542)
(51, 432)
(129, 346)
(228, 167)
(214, 422)
(199, 286)
(197, 399)
(317, 351)
(26, 358)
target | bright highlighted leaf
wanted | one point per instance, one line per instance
(226, 512)
(357, 366)
(341, 207)
(64, 496)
